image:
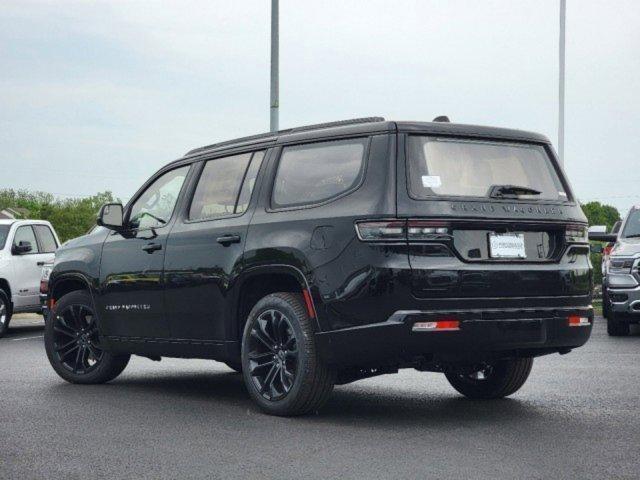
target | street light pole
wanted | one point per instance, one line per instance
(563, 11)
(273, 124)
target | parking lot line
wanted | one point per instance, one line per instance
(26, 338)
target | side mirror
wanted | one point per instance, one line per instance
(23, 247)
(603, 237)
(111, 216)
(596, 249)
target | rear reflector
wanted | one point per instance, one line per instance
(308, 301)
(437, 326)
(578, 321)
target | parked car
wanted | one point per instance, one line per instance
(621, 280)
(25, 246)
(325, 254)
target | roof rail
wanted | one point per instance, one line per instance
(317, 126)
(339, 123)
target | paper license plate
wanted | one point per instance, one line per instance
(506, 245)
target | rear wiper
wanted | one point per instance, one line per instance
(633, 235)
(511, 191)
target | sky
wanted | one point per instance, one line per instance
(97, 96)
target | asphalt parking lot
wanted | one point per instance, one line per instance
(578, 416)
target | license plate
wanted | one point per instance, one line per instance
(506, 245)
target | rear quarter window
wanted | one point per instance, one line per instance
(318, 172)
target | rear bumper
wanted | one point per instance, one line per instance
(482, 334)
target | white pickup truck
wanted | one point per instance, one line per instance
(25, 247)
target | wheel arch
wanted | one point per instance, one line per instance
(257, 282)
(6, 287)
(68, 283)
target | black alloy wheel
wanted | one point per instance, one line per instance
(73, 345)
(273, 354)
(282, 368)
(75, 338)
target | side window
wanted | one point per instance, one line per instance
(47, 240)
(25, 234)
(218, 187)
(155, 206)
(316, 172)
(249, 182)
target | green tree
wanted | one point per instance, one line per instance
(70, 217)
(600, 214)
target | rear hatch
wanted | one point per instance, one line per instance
(489, 218)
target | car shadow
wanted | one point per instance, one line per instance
(349, 405)
(23, 330)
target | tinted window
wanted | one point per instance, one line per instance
(249, 182)
(4, 231)
(155, 206)
(25, 234)
(218, 187)
(439, 166)
(316, 172)
(47, 240)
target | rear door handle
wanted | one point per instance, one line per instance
(227, 240)
(152, 247)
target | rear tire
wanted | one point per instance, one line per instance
(5, 313)
(497, 380)
(281, 366)
(72, 342)
(606, 310)
(616, 327)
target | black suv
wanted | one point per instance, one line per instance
(325, 254)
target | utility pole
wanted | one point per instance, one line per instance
(563, 12)
(273, 124)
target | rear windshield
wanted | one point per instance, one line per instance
(470, 168)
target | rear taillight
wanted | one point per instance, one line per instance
(576, 234)
(391, 230)
(44, 279)
(396, 230)
(426, 230)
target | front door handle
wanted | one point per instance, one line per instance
(227, 240)
(40, 264)
(152, 247)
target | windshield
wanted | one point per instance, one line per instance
(471, 168)
(4, 231)
(632, 225)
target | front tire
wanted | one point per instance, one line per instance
(617, 327)
(281, 366)
(494, 380)
(73, 345)
(5, 313)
